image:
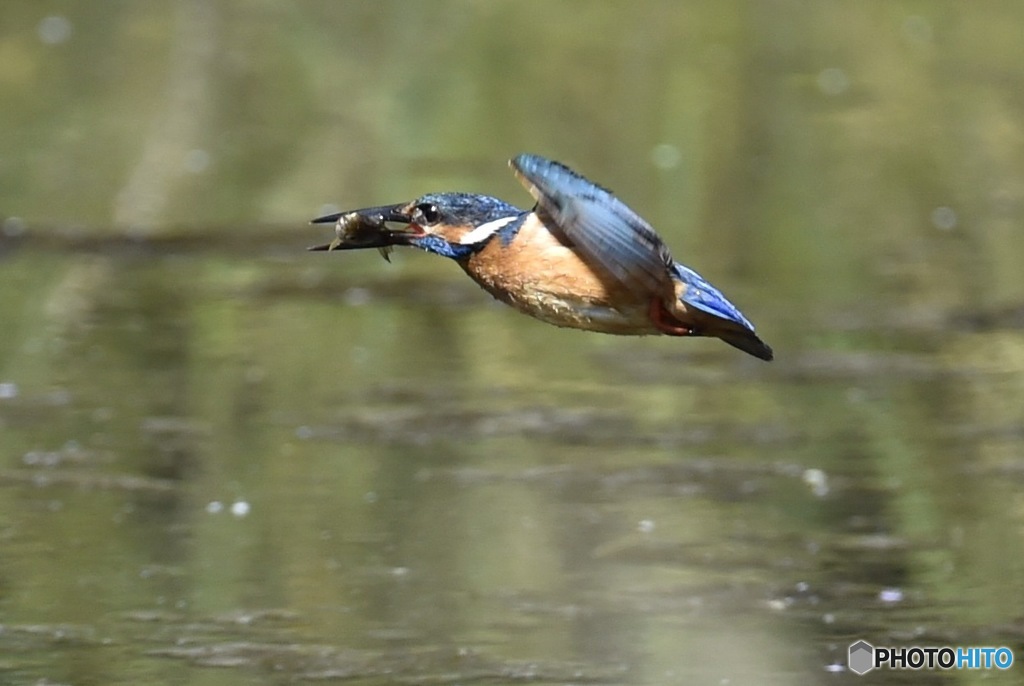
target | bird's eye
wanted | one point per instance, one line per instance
(429, 212)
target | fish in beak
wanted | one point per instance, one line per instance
(373, 227)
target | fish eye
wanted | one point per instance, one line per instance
(429, 212)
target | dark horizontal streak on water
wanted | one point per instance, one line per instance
(286, 241)
(250, 240)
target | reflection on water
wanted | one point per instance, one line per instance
(239, 463)
(220, 451)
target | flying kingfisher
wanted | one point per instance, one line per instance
(580, 258)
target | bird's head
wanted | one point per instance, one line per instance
(449, 224)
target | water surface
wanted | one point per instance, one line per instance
(227, 460)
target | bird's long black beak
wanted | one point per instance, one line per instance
(372, 227)
(384, 213)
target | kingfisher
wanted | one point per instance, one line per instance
(580, 258)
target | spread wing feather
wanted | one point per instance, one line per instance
(603, 228)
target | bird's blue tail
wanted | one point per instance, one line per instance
(703, 296)
(707, 298)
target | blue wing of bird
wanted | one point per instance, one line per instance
(599, 224)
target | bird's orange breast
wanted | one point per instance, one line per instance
(539, 275)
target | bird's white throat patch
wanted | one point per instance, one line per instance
(485, 231)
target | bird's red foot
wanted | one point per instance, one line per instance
(665, 322)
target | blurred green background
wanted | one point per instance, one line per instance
(219, 450)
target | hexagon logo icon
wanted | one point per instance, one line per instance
(861, 657)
